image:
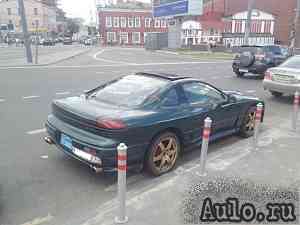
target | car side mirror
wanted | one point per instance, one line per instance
(231, 98)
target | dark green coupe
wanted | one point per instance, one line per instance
(156, 115)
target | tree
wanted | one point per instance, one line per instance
(73, 25)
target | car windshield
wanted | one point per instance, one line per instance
(130, 91)
(276, 50)
(293, 63)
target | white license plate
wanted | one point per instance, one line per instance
(243, 70)
(82, 154)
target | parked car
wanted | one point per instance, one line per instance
(284, 79)
(67, 41)
(49, 42)
(257, 59)
(156, 115)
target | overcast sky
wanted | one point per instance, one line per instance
(82, 8)
(79, 8)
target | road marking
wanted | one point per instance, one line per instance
(215, 77)
(106, 60)
(251, 91)
(100, 72)
(38, 131)
(39, 220)
(2, 100)
(31, 97)
(167, 52)
(113, 65)
(63, 93)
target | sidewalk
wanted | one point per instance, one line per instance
(44, 59)
(275, 164)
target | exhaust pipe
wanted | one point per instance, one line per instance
(48, 140)
(96, 169)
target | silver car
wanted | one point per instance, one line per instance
(284, 79)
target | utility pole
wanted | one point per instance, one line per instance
(37, 42)
(248, 23)
(25, 31)
(295, 42)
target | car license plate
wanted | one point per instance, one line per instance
(243, 70)
(82, 154)
(66, 141)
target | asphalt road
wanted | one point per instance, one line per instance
(38, 184)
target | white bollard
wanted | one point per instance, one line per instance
(296, 110)
(258, 116)
(204, 148)
(122, 168)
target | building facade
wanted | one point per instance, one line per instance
(119, 26)
(283, 11)
(37, 14)
(261, 30)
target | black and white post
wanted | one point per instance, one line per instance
(295, 111)
(204, 148)
(258, 116)
(122, 168)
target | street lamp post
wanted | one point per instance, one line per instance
(36, 42)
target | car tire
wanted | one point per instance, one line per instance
(239, 74)
(248, 123)
(276, 94)
(162, 154)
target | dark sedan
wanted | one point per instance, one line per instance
(156, 115)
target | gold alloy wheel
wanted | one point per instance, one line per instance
(250, 124)
(165, 154)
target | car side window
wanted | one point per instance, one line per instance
(198, 93)
(171, 98)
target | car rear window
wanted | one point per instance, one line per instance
(130, 91)
(293, 63)
(253, 50)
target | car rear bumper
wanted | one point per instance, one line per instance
(281, 87)
(106, 149)
(257, 68)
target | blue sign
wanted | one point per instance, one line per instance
(171, 9)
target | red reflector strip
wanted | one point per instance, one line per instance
(206, 133)
(122, 167)
(122, 157)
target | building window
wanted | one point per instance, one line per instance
(123, 22)
(108, 21)
(163, 23)
(111, 37)
(147, 22)
(157, 23)
(130, 22)
(35, 11)
(238, 26)
(145, 37)
(137, 22)
(136, 37)
(9, 11)
(124, 38)
(268, 27)
(116, 21)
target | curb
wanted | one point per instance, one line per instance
(51, 63)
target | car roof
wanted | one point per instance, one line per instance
(165, 76)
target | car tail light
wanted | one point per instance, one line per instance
(268, 75)
(260, 56)
(113, 124)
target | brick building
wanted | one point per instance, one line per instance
(284, 12)
(127, 26)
